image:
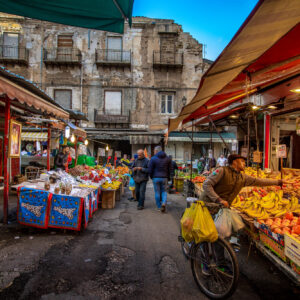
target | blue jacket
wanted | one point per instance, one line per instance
(160, 166)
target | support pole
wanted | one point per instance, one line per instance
(48, 147)
(266, 140)
(191, 175)
(248, 143)
(6, 167)
(213, 124)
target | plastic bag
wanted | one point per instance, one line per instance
(187, 222)
(131, 184)
(236, 221)
(204, 229)
(223, 223)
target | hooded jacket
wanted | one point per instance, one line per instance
(160, 166)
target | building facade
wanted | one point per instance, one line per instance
(128, 85)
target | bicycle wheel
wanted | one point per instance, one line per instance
(216, 275)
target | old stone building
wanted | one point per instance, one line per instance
(127, 85)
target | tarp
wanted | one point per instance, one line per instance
(265, 50)
(107, 15)
(34, 136)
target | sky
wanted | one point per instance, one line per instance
(211, 22)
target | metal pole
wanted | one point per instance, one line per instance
(6, 167)
(191, 175)
(248, 143)
(213, 124)
(48, 147)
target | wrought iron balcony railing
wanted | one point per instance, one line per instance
(167, 59)
(62, 56)
(113, 57)
(13, 54)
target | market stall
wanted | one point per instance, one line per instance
(68, 200)
(272, 218)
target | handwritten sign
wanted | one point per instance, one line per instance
(257, 157)
(281, 151)
(101, 152)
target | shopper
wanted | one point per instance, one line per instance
(222, 161)
(140, 177)
(63, 158)
(160, 169)
(173, 171)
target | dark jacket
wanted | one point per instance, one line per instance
(174, 168)
(60, 160)
(160, 166)
(140, 175)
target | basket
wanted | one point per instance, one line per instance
(108, 199)
(32, 172)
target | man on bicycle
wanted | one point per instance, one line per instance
(224, 184)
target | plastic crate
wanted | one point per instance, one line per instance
(178, 182)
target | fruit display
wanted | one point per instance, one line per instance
(289, 223)
(199, 179)
(114, 185)
(273, 204)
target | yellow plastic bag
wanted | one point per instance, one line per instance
(187, 222)
(204, 229)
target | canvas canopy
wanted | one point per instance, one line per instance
(264, 51)
(107, 15)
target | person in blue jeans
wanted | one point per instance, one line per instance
(140, 177)
(160, 169)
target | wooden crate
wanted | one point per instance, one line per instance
(108, 198)
(118, 194)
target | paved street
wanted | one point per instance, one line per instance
(123, 254)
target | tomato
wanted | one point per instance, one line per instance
(296, 229)
(289, 216)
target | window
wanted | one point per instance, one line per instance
(63, 98)
(113, 103)
(64, 47)
(10, 45)
(166, 103)
(114, 48)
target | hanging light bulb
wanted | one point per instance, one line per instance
(86, 142)
(107, 148)
(73, 138)
(67, 132)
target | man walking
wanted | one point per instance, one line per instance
(160, 168)
(140, 177)
(222, 161)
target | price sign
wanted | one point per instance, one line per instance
(110, 152)
(257, 157)
(244, 152)
(118, 154)
(281, 151)
(101, 152)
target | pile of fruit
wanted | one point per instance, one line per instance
(199, 179)
(288, 224)
(114, 185)
(266, 206)
(253, 172)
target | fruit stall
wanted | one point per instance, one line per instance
(68, 200)
(272, 218)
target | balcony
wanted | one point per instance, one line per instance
(116, 58)
(111, 121)
(62, 56)
(168, 29)
(14, 55)
(166, 59)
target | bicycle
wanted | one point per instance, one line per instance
(216, 275)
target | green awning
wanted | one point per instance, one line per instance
(107, 15)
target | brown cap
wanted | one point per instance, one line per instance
(233, 157)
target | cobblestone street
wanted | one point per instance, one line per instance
(123, 254)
